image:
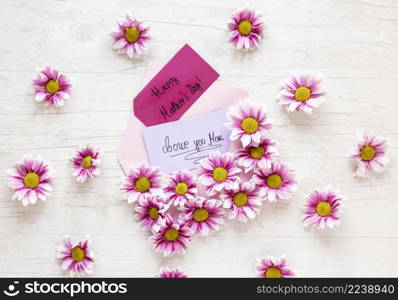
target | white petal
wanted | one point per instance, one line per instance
(245, 140)
(40, 96)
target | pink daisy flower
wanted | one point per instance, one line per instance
(172, 237)
(141, 181)
(248, 123)
(323, 208)
(302, 92)
(260, 156)
(180, 188)
(76, 257)
(132, 37)
(51, 87)
(31, 180)
(171, 273)
(150, 210)
(218, 171)
(275, 183)
(85, 163)
(269, 267)
(243, 201)
(246, 27)
(202, 215)
(370, 155)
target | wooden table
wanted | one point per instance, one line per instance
(354, 43)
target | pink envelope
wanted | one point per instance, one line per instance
(219, 95)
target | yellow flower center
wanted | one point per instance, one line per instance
(52, 86)
(142, 184)
(87, 162)
(273, 273)
(181, 188)
(302, 94)
(245, 27)
(171, 234)
(323, 209)
(274, 181)
(220, 174)
(153, 213)
(249, 125)
(240, 199)
(78, 254)
(132, 34)
(257, 152)
(368, 152)
(200, 215)
(31, 180)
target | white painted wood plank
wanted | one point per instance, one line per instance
(354, 43)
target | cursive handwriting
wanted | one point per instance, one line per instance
(172, 82)
(194, 87)
(213, 138)
(199, 143)
(179, 146)
(173, 106)
(201, 147)
(197, 155)
(169, 110)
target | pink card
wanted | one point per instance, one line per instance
(174, 89)
(219, 95)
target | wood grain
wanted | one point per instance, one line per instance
(354, 43)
